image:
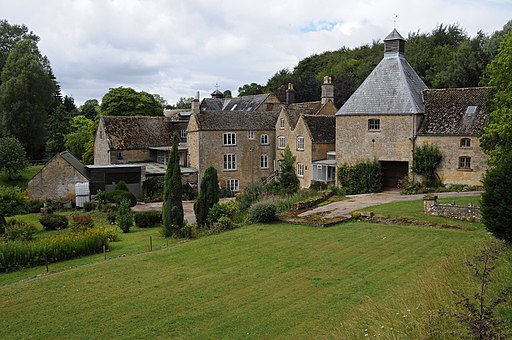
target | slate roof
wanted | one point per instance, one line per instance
(394, 35)
(237, 120)
(243, 103)
(322, 128)
(212, 104)
(139, 132)
(445, 111)
(393, 87)
(295, 110)
(75, 163)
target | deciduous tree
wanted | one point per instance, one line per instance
(125, 101)
(78, 137)
(13, 158)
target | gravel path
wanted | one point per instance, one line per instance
(357, 202)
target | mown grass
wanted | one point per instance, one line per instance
(22, 179)
(276, 281)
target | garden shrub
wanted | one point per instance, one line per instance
(81, 223)
(153, 189)
(222, 209)
(408, 186)
(17, 255)
(148, 219)
(188, 193)
(53, 222)
(250, 195)
(222, 224)
(121, 186)
(116, 196)
(263, 212)
(34, 206)
(17, 230)
(426, 158)
(124, 217)
(317, 185)
(362, 178)
(89, 206)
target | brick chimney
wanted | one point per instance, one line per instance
(290, 94)
(327, 90)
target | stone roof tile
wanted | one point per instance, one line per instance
(322, 128)
(237, 120)
(137, 132)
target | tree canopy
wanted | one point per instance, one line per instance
(125, 101)
(81, 132)
(13, 158)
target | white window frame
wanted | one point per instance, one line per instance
(281, 142)
(229, 138)
(264, 161)
(264, 139)
(300, 143)
(281, 123)
(300, 169)
(233, 184)
(464, 162)
(373, 124)
(250, 135)
(229, 162)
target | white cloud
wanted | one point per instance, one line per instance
(177, 47)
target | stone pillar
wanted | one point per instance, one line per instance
(290, 94)
(195, 103)
(429, 201)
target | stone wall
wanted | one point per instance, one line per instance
(459, 212)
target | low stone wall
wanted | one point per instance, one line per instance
(312, 203)
(459, 212)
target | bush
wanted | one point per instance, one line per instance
(17, 255)
(53, 222)
(250, 195)
(426, 158)
(408, 186)
(124, 217)
(225, 193)
(153, 189)
(362, 178)
(121, 186)
(17, 230)
(222, 209)
(224, 223)
(148, 219)
(318, 186)
(263, 212)
(116, 196)
(89, 206)
(188, 193)
(81, 223)
(34, 206)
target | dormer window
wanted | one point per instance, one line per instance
(373, 124)
(465, 143)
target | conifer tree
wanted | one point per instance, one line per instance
(288, 181)
(208, 195)
(172, 210)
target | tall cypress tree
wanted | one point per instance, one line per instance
(209, 193)
(172, 210)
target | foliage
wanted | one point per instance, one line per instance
(409, 186)
(12, 202)
(124, 217)
(125, 101)
(208, 196)
(89, 206)
(153, 189)
(496, 139)
(288, 183)
(18, 255)
(53, 221)
(224, 223)
(34, 206)
(250, 89)
(26, 97)
(81, 223)
(478, 310)
(496, 204)
(250, 194)
(148, 219)
(263, 212)
(364, 177)
(17, 230)
(116, 196)
(426, 158)
(13, 158)
(57, 126)
(222, 209)
(183, 103)
(121, 185)
(89, 109)
(172, 210)
(79, 135)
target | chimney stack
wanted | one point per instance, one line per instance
(290, 94)
(327, 90)
(195, 103)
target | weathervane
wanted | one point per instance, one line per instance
(394, 20)
(217, 86)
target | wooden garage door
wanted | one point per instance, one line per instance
(392, 172)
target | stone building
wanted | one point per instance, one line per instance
(56, 180)
(239, 144)
(453, 121)
(257, 102)
(379, 121)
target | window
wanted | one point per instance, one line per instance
(281, 123)
(264, 140)
(230, 162)
(250, 135)
(232, 184)
(373, 124)
(183, 134)
(281, 142)
(471, 110)
(230, 138)
(300, 169)
(300, 143)
(119, 155)
(465, 143)
(464, 162)
(264, 162)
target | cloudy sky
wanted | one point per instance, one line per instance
(177, 47)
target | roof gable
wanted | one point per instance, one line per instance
(322, 128)
(75, 163)
(446, 111)
(393, 87)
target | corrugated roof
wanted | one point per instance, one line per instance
(75, 163)
(237, 120)
(322, 128)
(445, 111)
(393, 87)
(137, 132)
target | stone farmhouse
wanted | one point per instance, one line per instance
(393, 112)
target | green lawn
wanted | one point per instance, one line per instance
(276, 281)
(23, 178)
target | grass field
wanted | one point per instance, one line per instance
(23, 178)
(277, 281)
